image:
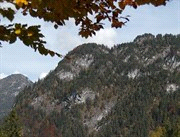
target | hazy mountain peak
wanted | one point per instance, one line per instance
(10, 87)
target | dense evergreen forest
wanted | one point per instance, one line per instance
(130, 90)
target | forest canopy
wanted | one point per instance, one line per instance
(59, 11)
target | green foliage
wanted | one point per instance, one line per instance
(11, 126)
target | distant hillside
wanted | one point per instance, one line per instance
(130, 90)
(9, 89)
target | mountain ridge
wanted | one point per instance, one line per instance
(97, 91)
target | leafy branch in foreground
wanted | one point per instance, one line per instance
(30, 36)
(60, 11)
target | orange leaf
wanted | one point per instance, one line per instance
(121, 5)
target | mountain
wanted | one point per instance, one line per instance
(130, 90)
(9, 89)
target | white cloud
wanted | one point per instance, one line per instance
(105, 36)
(7, 5)
(16, 72)
(2, 75)
(43, 75)
(67, 38)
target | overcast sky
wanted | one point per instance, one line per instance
(17, 58)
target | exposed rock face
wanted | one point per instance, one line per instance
(9, 89)
(107, 92)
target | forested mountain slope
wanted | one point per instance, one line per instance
(130, 90)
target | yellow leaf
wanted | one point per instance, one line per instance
(20, 3)
(29, 34)
(17, 31)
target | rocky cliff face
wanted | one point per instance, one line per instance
(129, 90)
(9, 89)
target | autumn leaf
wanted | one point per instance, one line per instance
(121, 5)
(17, 31)
(117, 24)
(30, 34)
(20, 3)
